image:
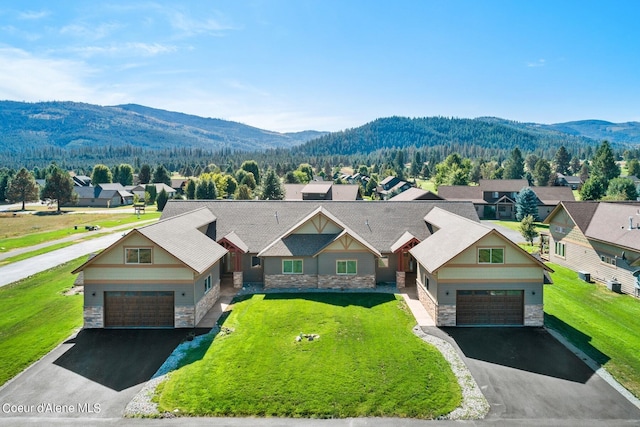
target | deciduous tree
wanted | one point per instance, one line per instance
(621, 189)
(101, 175)
(528, 229)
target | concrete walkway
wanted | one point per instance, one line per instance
(410, 295)
(227, 293)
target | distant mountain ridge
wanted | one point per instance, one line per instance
(25, 126)
(83, 134)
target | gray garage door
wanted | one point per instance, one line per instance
(488, 307)
(149, 309)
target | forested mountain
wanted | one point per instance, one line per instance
(484, 137)
(31, 132)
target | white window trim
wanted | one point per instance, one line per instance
(564, 250)
(346, 267)
(207, 284)
(491, 249)
(126, 258)
(292, 261)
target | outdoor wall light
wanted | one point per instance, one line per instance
(446, 293)
(533, 292)
(93, 294)
(183, 294)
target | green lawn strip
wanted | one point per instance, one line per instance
(515, 225)
(32, 239)
(603, 324)
(36, 316)
(367, 362)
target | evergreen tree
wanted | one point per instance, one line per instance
(144, 177)
(514, 168)
(542, 172)
(416, 164)
(232, 185)
(249, 181)
(530, 162)
(604, 164)
(272, 188)
(584, 171)
(561, 161)
(528, 229)
(4, 185)
(594, 188)
(621, 189)
(191, 190)
(152, 193)
(23, 188)
(633, 168)
(244, 193)
(101, 175)
(162, 200)
(371, 187)
(574, 166)
(252, 166)
(59, 187)
(161, 175)
(526, 204)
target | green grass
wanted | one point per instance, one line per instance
(427, 185)
(603, 324)
(367, 362)
(515, 225)
(37, 252)
(36, 317)
(57, 227)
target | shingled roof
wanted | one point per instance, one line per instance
(260, 223)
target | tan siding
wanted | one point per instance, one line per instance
(319, 224)
(511, 256)
(345, 244)
(144, 274)
(484, 272)
(115, 256)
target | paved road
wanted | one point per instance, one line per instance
(28, 267)
(512, 235)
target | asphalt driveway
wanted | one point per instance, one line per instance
(92, 375)
(526, 374)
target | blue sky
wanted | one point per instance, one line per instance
(329, 64)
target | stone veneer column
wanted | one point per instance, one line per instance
(184, 316)
(533, 315)
(400, 276)
(206, 302)
(446, 315)
(93, 317)
(237, 279)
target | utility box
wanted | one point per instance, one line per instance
(614, 286)
(586, 276)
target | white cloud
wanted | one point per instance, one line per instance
(125, 49)
(91, 32)
(33, 14)
(538, 63)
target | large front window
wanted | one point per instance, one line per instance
(347, 267)
(491, 256)
(292, 266)
(137, 255)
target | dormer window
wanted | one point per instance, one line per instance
(491, 256)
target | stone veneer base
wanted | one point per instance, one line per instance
(93, 317)
(207, 301)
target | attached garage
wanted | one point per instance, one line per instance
(489, 307)
(131, 309)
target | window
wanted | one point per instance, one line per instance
(425, 281)
(292, 266)
(207, 284)
(383, 262)
(495, 194)
(491, 256)
(256, 261)
(560, 249)
(137, 255)
(346, 267)
(608, 259)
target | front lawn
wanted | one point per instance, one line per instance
(366, 362)
(603, 324)
(35, 316)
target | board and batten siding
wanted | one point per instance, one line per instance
(581, 254)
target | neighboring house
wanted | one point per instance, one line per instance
(163, 275)
(414, 193)
(179, 184)
(322, 190)
(103, 196)
(470, 274)
(391, 186)
(574, 182)
(302, 245)
(496, 198)
(81, 180)
(140, 189)
(601, 239)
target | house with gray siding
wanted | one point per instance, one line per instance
(290, 244)
(601, 240)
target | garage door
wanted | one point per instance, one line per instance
(489, 308)
(152, 309)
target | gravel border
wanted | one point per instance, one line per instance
(474, 405)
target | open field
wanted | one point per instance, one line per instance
(365, 362)
(601, 323)
(23, 230)
(36, 317)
